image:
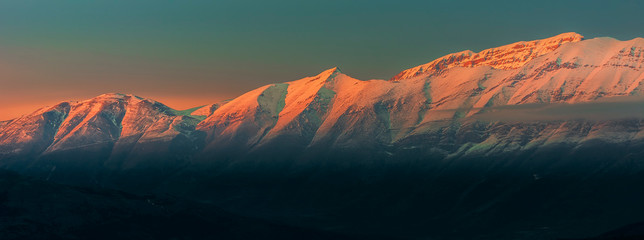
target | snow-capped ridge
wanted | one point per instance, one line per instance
(509, 56)
(104, 119)
(120, 96)
(328, 74)
(331, 70)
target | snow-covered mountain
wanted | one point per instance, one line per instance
(467, 139)
(335, 109)
(111, 132)
(109, 118)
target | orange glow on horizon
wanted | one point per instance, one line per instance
(11, 111)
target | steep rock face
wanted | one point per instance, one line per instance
(511, 56)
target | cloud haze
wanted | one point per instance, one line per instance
(606, 109)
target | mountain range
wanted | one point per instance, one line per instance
(536, 139)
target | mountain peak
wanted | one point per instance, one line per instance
(569, 37)
(509, 56)
(330, 71)
(130, 98)
(117, 96)
(328, 74)
(112, 95)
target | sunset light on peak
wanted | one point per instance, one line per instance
(195, 53)
(231, 119)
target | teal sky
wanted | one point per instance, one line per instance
(187, 53)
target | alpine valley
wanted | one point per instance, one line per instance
(540, 139)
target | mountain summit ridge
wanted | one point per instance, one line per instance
(510, 56)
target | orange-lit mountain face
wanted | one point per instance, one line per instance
(336, 109)
(106, 119)
(511, 56)
(501, 142)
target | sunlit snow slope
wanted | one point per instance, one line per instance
(334, 109)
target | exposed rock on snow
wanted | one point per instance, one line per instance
(511, 56)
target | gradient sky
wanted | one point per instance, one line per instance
(189, 53)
